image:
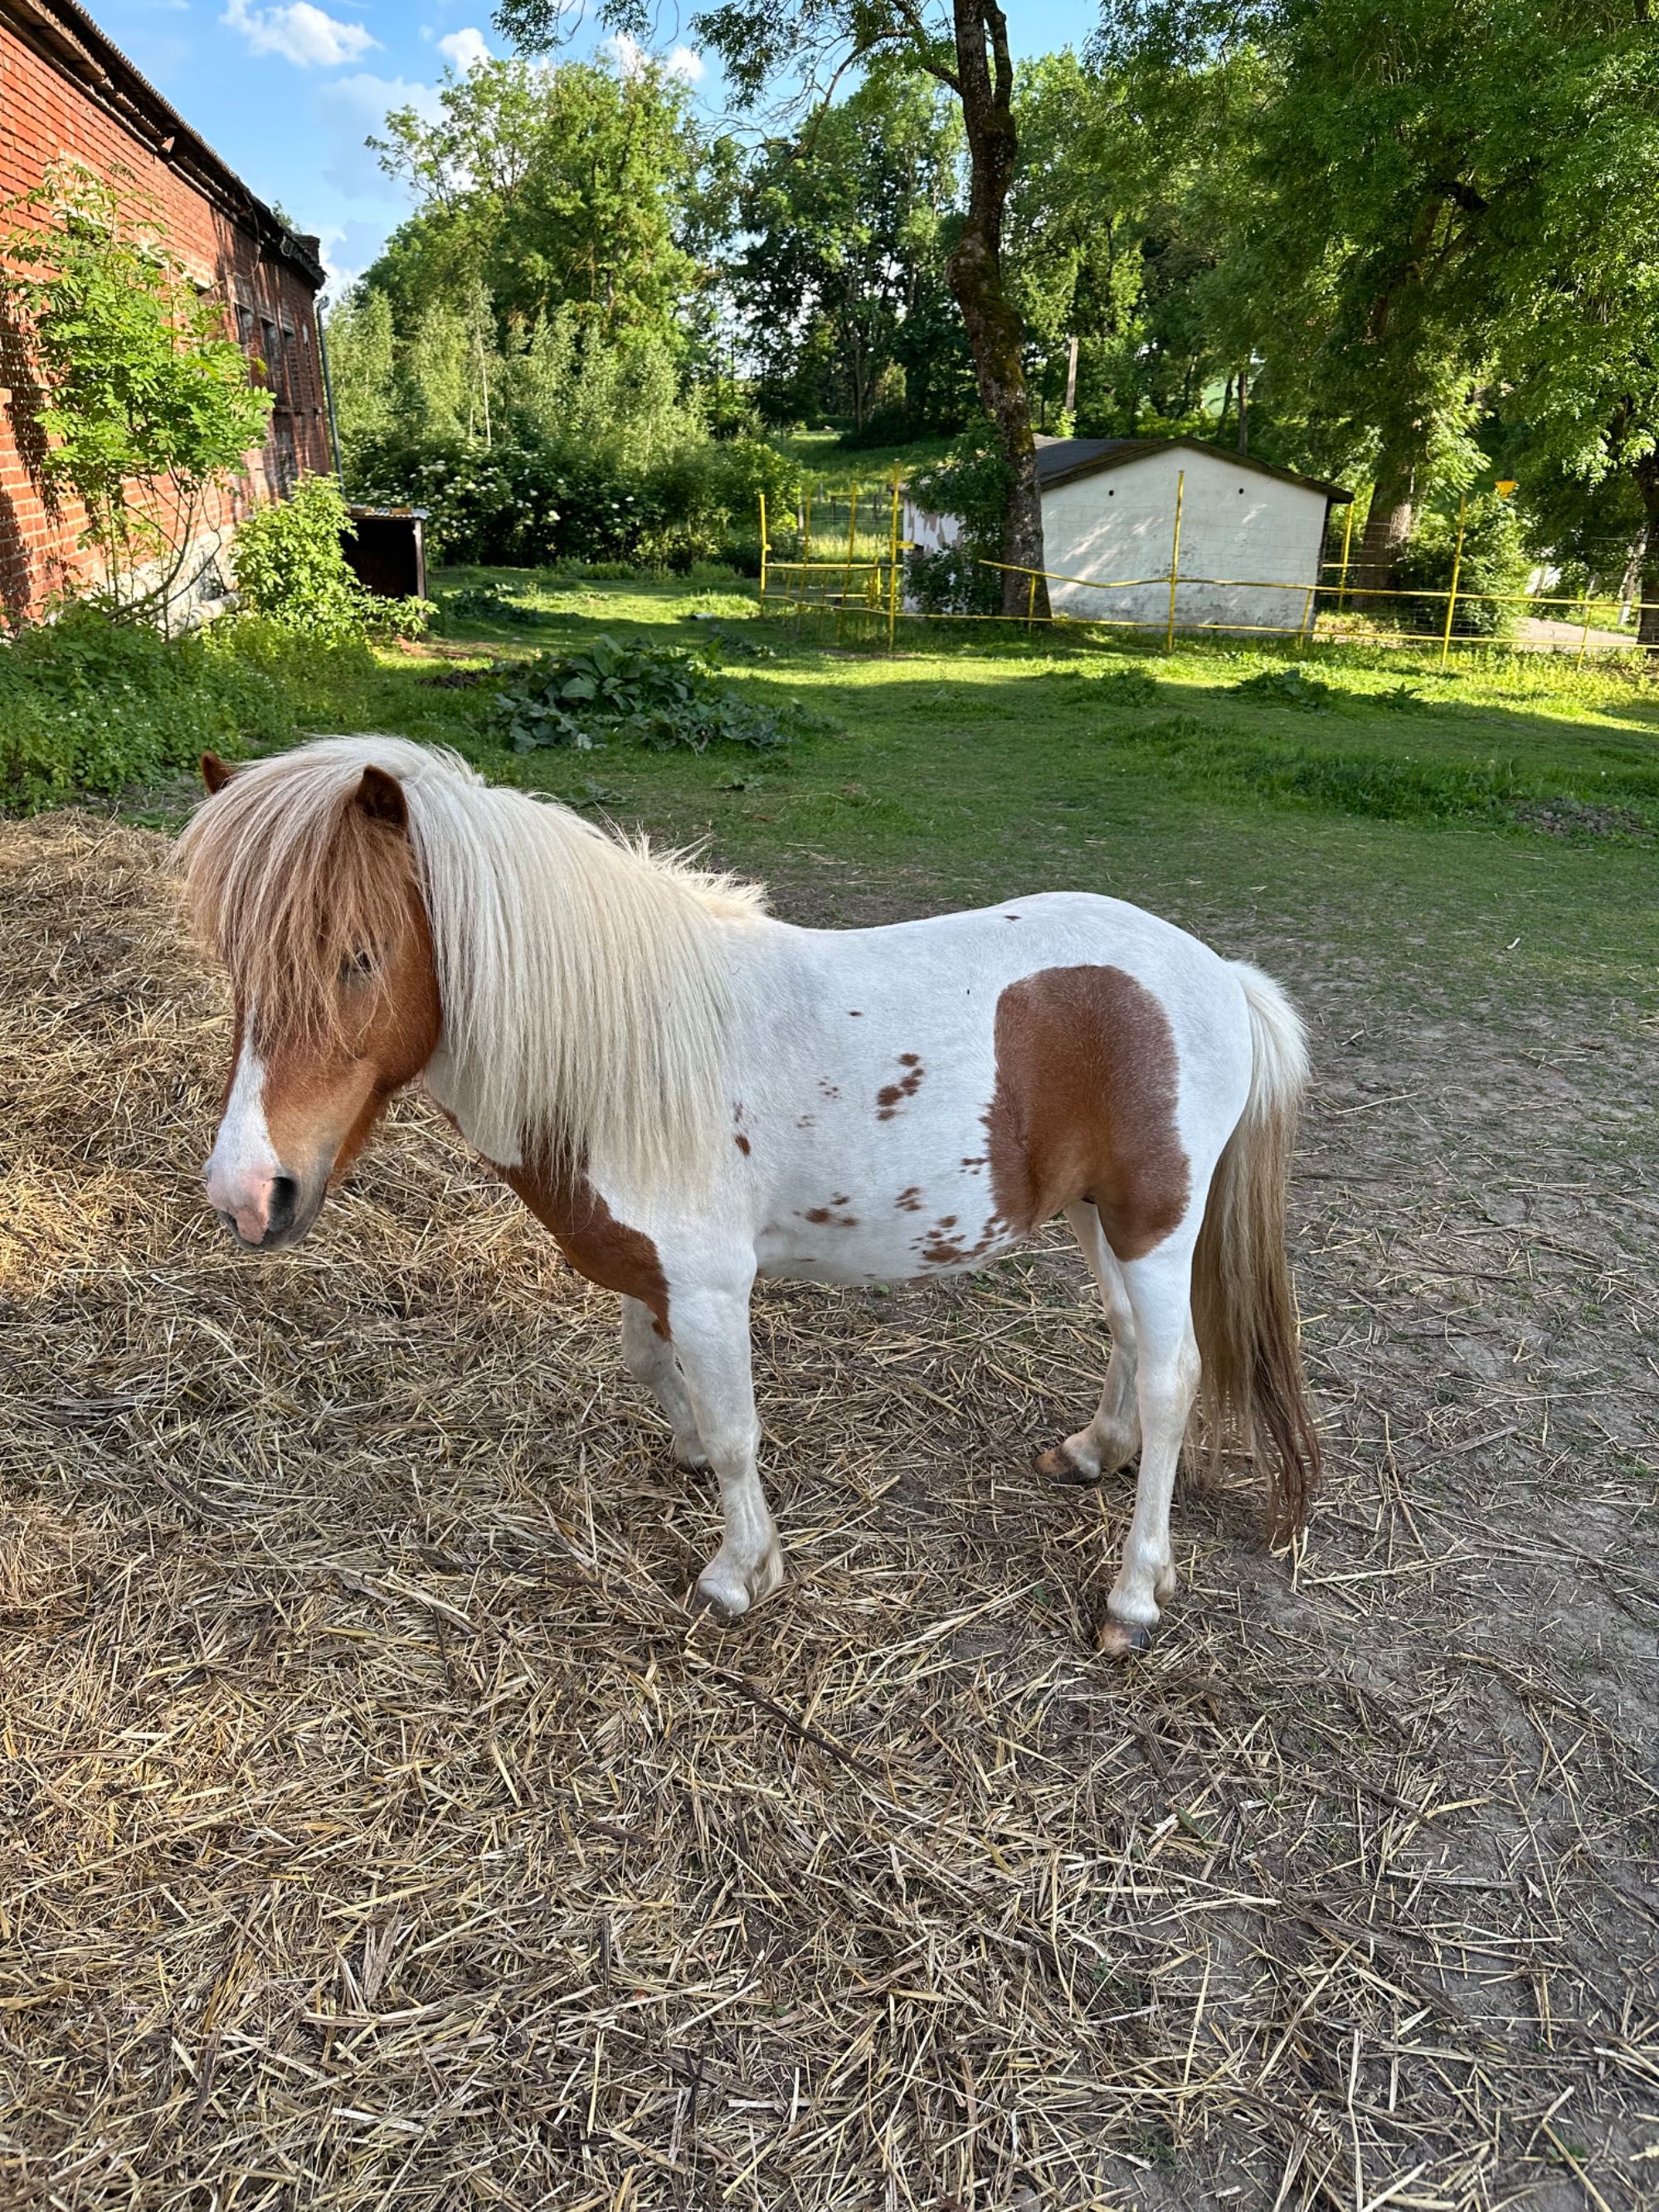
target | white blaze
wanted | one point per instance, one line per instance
(244, 1163)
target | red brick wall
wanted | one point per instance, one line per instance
(44, 115)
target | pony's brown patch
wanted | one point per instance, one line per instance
(909, 1201)
(607, 1251)
(743, 1145)
(1085, 1106)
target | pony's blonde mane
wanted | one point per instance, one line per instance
(585, 980)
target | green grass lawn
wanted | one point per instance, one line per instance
(1489, 830)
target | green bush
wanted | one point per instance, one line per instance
(543, 504)
(90, 705)
(291, 569)
(1493, 560)
(971, 483)
(658, 696)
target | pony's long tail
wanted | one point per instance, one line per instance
(1243, 1304)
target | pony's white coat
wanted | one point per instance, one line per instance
(755, 1098)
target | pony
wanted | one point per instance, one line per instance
(691, 1093)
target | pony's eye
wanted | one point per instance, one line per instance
(357, 967)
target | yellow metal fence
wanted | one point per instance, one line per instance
(860, 588)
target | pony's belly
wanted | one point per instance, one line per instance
(889, 1239)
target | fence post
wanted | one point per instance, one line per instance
(1305, 629)
(847, 573)
(806, 548)
(1451, 596)
(763, 552)
(1030, 605)
(1583, 641)
(1342, 584)
(1174, 560)
(892, 564)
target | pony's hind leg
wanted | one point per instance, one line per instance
(1159, 1289)
(711, 1334)
(649, 1359)
(1112, 1437)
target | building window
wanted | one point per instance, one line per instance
(283, 466)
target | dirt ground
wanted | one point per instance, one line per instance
(377, 1830)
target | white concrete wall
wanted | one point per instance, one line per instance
(929, 532)
(1235, 524)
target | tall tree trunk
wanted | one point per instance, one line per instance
(1389, 523)
(984, 84)
(1647, 623)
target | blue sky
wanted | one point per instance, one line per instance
(286, 90)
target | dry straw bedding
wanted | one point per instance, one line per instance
(378, 1831)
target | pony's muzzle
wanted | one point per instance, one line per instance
(264, 1210)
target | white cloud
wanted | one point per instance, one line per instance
(631, 57)
(300, 33)
(351, 105)
(464, 50)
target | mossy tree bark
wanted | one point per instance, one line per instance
(983, 81)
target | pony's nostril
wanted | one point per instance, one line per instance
(284, 1204)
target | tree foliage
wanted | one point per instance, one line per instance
(841, 279)
(140, 398)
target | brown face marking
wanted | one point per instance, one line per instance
(320, 1103)
(855, 1014)
(910, 1201)
(743, 1145)
(979, 1162)
(1085, 1106)
(606, 1251)
(829, 1090)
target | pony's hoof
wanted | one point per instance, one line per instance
(1058, 1465)
(1121, 1639)
(725, 1591)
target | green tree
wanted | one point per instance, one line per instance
(567, 187)
(142, 402)
(807, 48)
(847, 240)
(1576, 265)
(360, 362)
(1111, 235)
(1353, 142)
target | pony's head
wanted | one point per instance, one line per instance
(307, 890)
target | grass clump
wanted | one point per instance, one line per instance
(661, 697)
(477, 603)
(90, 705)
(1291, 686)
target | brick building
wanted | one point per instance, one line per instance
(66, 91)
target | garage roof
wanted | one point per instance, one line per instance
(1063, 461)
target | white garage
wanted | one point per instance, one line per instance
(1109, 522)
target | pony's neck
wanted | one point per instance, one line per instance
(586, 992)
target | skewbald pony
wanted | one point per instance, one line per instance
(584, 981)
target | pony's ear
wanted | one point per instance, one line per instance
(382, 797)
(215, 773)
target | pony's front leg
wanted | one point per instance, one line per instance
(711, 1336)
(648, 1356)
